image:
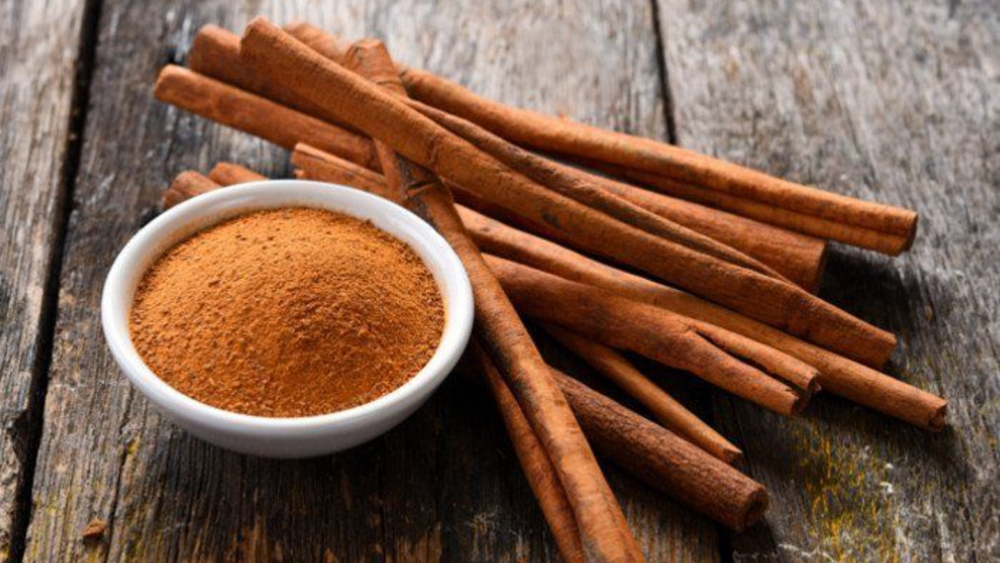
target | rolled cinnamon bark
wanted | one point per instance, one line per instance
(326, 167)
(187, 185)
(312, 76)
(638, 445)
(228, 173)
(871, 239)
(256, 115)
(589, 144)
(664, 460)
(838, 374)
(775, 304)
(215, 52)
(328, 45)
(667, 411)
(542, 476)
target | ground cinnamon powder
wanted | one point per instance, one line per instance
(290, 312)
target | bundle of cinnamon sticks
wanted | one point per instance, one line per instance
(641, 246)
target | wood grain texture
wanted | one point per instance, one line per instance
(897, 102)
(445, 485)
(38, 55)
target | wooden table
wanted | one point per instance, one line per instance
(899, 104)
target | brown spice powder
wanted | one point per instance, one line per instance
(285, 313)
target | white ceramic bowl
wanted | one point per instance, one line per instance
(286, 437)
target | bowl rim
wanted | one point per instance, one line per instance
(453, 284)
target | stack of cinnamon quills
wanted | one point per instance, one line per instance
(610, 243)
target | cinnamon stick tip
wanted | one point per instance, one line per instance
(221, 166)
(938, 418)
(731, 454)
(260, 25)
(211, 29)
(297, 26)
(816, 281)
(207, 43)
(754, 511)
(911, 235)
(210, 32)
(904, 241)
(800, 403)
(188, 177)
(880, 351)
(164, 80)
(813, 386)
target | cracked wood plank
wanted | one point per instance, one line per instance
(38, 56)
(445, 484)
(900, 103)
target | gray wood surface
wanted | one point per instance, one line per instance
(897, 102)
(445, 485)
(38, 51)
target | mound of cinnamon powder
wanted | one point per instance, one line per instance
(290, 312)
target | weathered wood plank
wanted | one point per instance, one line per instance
(445, 485)
(38, 52)
(898, 102)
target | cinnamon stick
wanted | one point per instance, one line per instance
(542, 476)
(256, 115)
(228, 173)
(326, 167)
(603, 530)
(832, 229)
(215, 52)
(838, 375)
(666, 461)
(187, 185)
(724, 359)
(587, 143)
(665, 409)
(651, 452)
(368, 58)
(328, 45)
(346, 98)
